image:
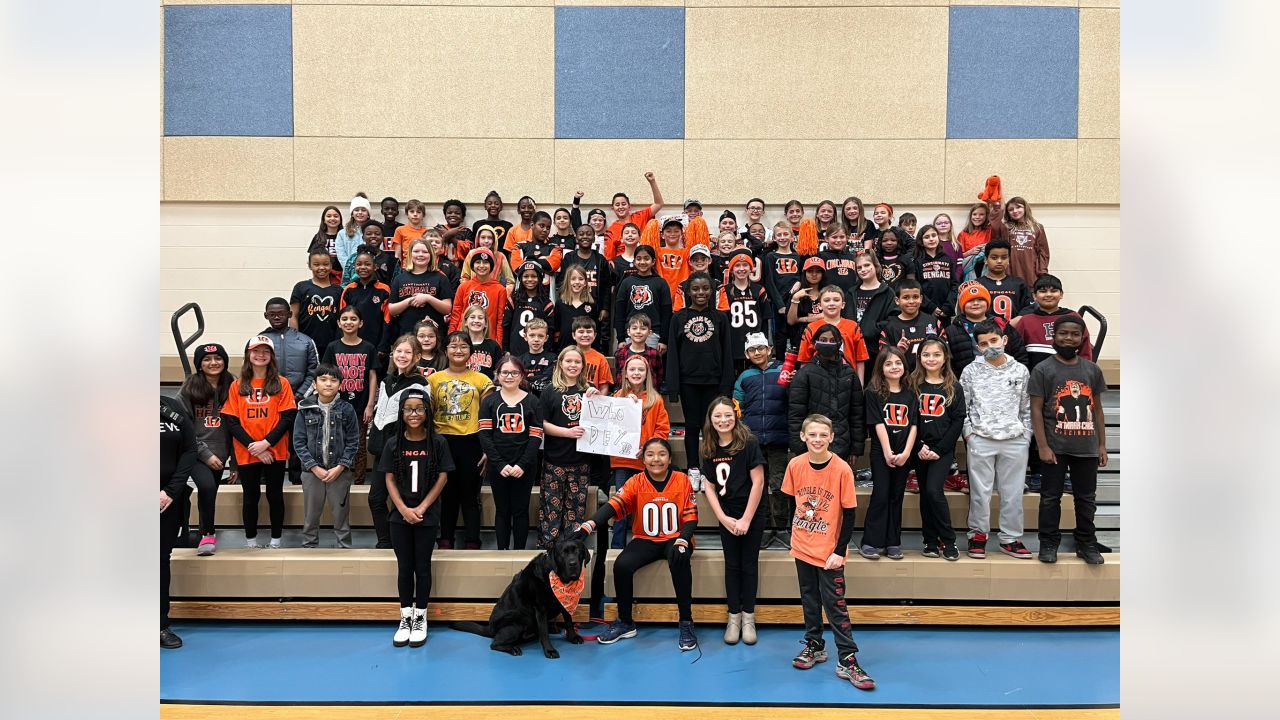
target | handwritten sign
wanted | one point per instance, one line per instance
(612, 426)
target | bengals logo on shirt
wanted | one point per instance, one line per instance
(786, 266)
(571, 406)
(699, 329)
(641, 296)
(257, 396)
(897, 415)
(511, 423)
(672, 261)
(478, 297)
(933, 405)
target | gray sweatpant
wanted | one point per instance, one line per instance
(314, 495)
(999, 465)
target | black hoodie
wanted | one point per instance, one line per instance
(649, 295)
(964, 348)
(878, 307)
(698, 351)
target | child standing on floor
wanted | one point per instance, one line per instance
(416, 464)
(511, 435)
(763, 403)
(357, 360)
(734, 468)
(324, 439)
(826, 500)
(566, 473)
(1070, 430)
(997, 429)
(942, 413)
(457, 391)
(259, 415)
(892, 417)
(402, 375)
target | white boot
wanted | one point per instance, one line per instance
(418, 629)
(733, 629)
(749, 628)
(402, 633)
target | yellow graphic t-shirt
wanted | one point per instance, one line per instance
(456, 400)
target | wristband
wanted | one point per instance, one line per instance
(588, 527)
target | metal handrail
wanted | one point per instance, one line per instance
(1102, 328)
(183, 344)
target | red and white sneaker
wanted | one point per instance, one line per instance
(978, 546)
(849, 669)
(913, 484)
(956, 482)
(1016, 549)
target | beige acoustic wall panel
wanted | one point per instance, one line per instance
(496, 3)
(415, 71)
(256, 169)
(1042, 171)
(1099, 180)
(431, 170)
(600, 168)
(813, 3)
(1099, 74)
(730, 171)
(830, 72)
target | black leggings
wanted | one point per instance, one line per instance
(170, 521)
(742, 565)
(378, 506)
(252, 476)
(694, 401)
(413, 545)
(935, 514)
(511, 506)
(640, 552)
(883, 524)
(206, 480)
(462, 490)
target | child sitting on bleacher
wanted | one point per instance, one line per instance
(326, 439)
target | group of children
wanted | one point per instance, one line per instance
(459, 355)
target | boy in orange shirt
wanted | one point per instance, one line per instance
(626, 214)
(831, 304)
(826, 501)
(597, 367)
(671, 261)
(406, 234)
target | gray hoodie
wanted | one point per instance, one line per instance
(999, 407)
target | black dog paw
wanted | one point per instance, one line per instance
(575, 639)
(551, 654)
(510, 649)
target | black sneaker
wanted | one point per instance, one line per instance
(768, 539)
(930, 549)
(688, 640)
(978, 546)
(1090, 554)
(1048, 553)
(169, 640)
(1016, 549)
(950, 551)
(784, 539)
(617, 630)
(814, 652)
(1034, 483)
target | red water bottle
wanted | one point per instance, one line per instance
(788, 370)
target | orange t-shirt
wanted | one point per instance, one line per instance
(855, 348)
(654, 423)
(406, 234)
(597, 368)
(821, 498)
(259, 413)
(657, 515)
(970, 240)
(613, 233)
(515, 236)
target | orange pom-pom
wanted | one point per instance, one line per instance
(807, 244)
(697, 233)
(649, 235)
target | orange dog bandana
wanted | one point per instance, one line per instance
(569, 594)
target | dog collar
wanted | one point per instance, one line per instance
(569, 594)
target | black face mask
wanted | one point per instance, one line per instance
(1066, 352)
(827, 348)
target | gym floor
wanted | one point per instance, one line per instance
(238, 666)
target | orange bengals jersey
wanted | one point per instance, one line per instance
(656, 515)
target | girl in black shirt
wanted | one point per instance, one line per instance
(416, 463)
(566, 473)
(511, 435)
(942, 414)
(699, 361)
(733, 468)
(892, 417)
(430, 358)
(485, 351)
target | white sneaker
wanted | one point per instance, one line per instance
(252, 543)
(401, 637)
(418, 629)
(275, 544)
(695, 479)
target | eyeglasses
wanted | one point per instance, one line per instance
(415, 411)
(509, 373)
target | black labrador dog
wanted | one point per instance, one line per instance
(529, 604)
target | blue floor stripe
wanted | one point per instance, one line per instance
(356, 663)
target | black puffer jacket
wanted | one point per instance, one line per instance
(834, 390)
(964, 349)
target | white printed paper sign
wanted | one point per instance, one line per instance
(612, 426)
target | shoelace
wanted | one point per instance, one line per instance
(419, 621)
